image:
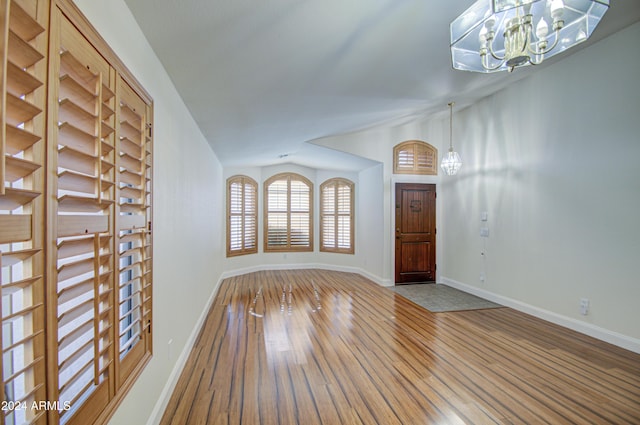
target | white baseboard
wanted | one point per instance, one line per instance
(167, 391)
(615, 338)
(346, 269)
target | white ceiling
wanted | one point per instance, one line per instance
(262, 78)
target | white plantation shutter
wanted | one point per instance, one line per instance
(336, 216)
(242, 210)
(288, 213)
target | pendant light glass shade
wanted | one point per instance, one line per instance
(451, 162)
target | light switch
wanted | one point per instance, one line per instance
(484, 216)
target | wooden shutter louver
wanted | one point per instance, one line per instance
(277, 222)
(288, 213)
(250, 217)
(415, 157)
(299, 234)
(337, 215)
(23, 59)
(242, 219)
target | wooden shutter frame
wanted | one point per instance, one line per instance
(336, 183)
(22, 228)
(242, 180)
(121, 379)
(415, 146)
(289, 177)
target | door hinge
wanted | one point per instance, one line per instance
(435, 231)
(436, 267)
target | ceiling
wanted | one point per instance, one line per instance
(263, 78)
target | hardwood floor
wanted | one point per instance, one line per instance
(322, 347)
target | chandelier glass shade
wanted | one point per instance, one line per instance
(498, 35)
(451, 162)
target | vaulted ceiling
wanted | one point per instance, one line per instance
(263, 78)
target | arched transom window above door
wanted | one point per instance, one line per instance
(415, 157)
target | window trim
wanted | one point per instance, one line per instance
(336, 183)
(288, 247)
(243, 181)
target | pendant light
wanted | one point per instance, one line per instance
(451, 162)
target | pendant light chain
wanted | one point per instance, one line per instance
(451, 125)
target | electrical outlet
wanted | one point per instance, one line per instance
(584, 306)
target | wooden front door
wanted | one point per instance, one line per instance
(415, 233)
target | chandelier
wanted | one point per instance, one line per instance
(498, 35)
(451, 162)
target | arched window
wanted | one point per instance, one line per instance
(336, 216)
(415, 157)
(288, 213)
(242, 216)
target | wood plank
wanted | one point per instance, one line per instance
(23, 24)
(19, 81)
(132, 222)
(18, 140)
(19, 110)
(21, 53)
(74, 225)
(15, 198)
(316, 346)
(18, 168)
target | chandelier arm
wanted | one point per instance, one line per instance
(545, 51)
(496, 57)
(487, 67)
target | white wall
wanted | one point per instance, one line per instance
(370, 222)
(554, 162)
(187, 188)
